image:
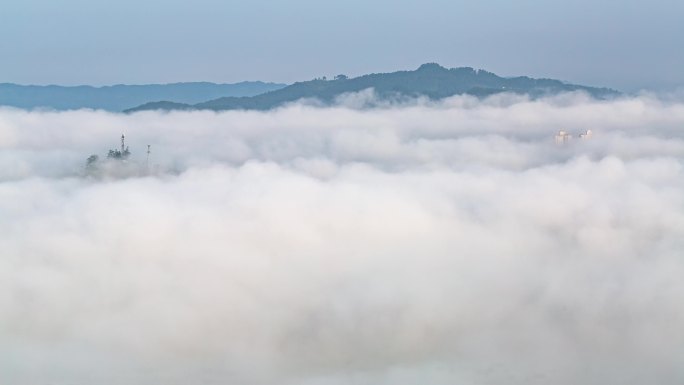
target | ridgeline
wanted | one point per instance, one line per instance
(429, 80)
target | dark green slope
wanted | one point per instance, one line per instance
(430, 80)
(164, 105)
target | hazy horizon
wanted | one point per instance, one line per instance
(330, 76)
(660, 89)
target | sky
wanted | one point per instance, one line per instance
(627, 45)
(429, 242)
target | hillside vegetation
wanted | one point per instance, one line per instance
(429, 80)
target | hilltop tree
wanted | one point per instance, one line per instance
(92, 160)
(118, 154)
(91, 163)
(122, 154)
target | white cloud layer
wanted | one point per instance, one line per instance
(427, 243)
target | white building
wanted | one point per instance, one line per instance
(563, 137)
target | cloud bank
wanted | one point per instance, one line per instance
(427, 243)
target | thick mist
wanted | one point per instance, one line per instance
(414, 243)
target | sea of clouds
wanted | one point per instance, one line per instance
(425, 242)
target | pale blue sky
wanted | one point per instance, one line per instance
(622, 44)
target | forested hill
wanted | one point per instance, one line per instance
(121, 97)
(430, 80)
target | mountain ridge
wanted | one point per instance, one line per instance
(430, 80)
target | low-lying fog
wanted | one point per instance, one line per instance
(422, 243)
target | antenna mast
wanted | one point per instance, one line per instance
(148, 158)
(122, 143)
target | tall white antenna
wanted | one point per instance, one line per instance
(148, 157)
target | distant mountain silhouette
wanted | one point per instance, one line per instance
(430, 80)
(120, 97)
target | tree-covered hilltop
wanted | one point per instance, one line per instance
(119, 97)
(429, 80)
(116, 164)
